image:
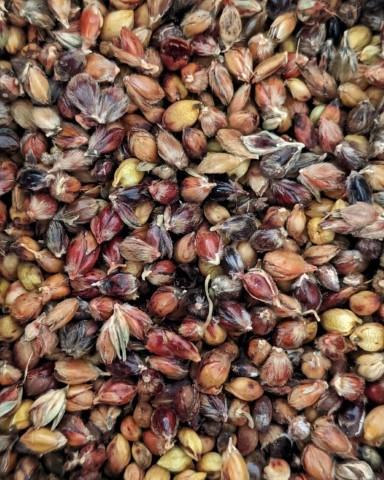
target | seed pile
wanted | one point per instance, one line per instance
(191, 239)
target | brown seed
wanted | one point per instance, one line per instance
(306, 394)
(269, 66)
(317, 463)
(244, 388)
(75, 372)
(234, 465)
(285, 265)
(118, 454)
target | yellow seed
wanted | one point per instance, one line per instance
(360, 142)
(316, 234)
(370, 366)
(20, 420)
(374, 173)
(339, 320)
(21, 111)
(115, 21)
(319, 209)
(214, 146)
(211, 462)
(215, 213)
(374, 427)
(298, 89)
(175, 460)
(316, 113)
(127, 174)
(247, 254)
(4, 424)
(157, 473)
(190, 475)
(370, 54)
(16, 40)
(143, 211)
(43, 440)
(207, 268)
(4, 285)
(241, 170)
(369, 336)
(29, 275)
(375, 95)
(47, 119)
(10, 330)
(359, 36)
(289, 45)
(181, 114)
(339, 205)
(191, 443)
(351, 94)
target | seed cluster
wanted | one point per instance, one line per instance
(191, 239)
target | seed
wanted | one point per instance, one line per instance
(369, 336)
(245, 389)
(269, 66)
(20, 419)
(373, 428)
(234, 465)
(118, 454)
(190, 475)
(219, 163)
(210, 462)
(370, 366)
(317, 463)
(364, 303)
(283, 26)
(175, 460)
(133, 472)
(157, 473)
(42, 440)
(10, 330)
(48, 408)
(316, 234)
(181, 114)
(75, 372)
(285, 265)
(298, 89)
(191, 443)
(115, 21)
(277, 468)
(306, 394)
(339, 320)
(128, 175)
(351, 94)
(358, 37)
